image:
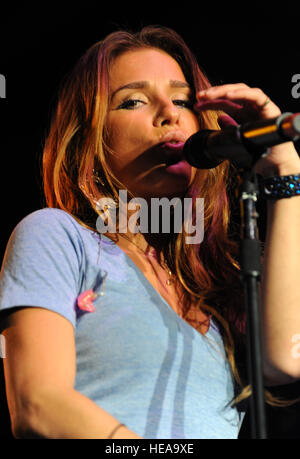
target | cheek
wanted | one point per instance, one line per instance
(114, 131)
(193, 123)
(124, 135)
(125, 140)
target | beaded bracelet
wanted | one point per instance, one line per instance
(279, 187)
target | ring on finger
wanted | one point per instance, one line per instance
(264, 104)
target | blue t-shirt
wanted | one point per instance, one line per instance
(136, 358)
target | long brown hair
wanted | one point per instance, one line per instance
(76, 174)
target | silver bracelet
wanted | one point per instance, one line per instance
(115, 430)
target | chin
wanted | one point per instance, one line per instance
(171, 181)
(175, 187)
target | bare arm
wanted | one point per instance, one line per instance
(39, 368)
(281, 283)
(280, 287)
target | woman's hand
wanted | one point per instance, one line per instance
(242, 104)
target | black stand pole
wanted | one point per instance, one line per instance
(251, 273)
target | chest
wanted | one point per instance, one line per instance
(165, 285)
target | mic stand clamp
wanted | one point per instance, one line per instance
(251, 276)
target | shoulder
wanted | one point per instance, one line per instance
(47, 233)
(48, 218)
(48, 224)
(42, 265)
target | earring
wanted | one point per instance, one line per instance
(97, 179)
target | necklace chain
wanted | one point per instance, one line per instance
(170, 280)
(152, 253)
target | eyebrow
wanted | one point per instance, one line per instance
(146, 84)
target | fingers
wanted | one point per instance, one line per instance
(226, 121)
(220, 91)
(237, 100)
(245, 94)
(219, 104)
(238, 91)
(246, 104)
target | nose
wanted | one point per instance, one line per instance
(167, 114)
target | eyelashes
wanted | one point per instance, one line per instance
(132, 104)
(183, 103)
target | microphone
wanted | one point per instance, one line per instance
(243, 144)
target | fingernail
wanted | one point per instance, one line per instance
(201, 93)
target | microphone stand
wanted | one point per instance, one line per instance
(251, 275)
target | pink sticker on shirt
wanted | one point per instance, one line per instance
(85, 301)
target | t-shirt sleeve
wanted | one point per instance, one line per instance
(41, 265)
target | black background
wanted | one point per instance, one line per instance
(39, 44)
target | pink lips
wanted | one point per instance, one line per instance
(173, 136)
(173, 146)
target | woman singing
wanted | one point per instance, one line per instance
(140, 334)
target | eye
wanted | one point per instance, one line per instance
(183, 103)
(131, 104)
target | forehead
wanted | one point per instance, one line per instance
(144, 64)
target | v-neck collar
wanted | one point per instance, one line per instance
(147, 284)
